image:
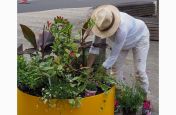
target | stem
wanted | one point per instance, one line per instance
(69, 66)
(49, 79)
(84, 56)
(84, 49)
(42, 47)
(88, 32)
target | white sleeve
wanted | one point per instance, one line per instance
(120, 39)
(95, 50)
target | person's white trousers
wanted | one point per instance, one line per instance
(140, 52)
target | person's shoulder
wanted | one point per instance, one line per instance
(125, 15)
(125, 20)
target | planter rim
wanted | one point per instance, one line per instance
(68, 99)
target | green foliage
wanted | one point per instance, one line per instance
(91, 86)
(130, 98)
(75, 102)
(87, 26)
(104, 80)
(61, 91)
(29, 73)
(61, 30)
(64, 45)
(91, 23)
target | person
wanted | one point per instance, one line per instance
(123, 33)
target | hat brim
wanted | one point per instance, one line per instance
(109, 32)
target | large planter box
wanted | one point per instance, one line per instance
(102, 104)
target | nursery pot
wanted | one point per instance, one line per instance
(128, 112)
(89, 93)
(101, 104)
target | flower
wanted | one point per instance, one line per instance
(59, 17)
(116, 103)
(146, 105)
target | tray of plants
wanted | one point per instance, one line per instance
(130, 99)
(52, 76)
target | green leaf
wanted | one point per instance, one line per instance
(60, 67)
(104, 87)
(29, 35)
(82, 87)
(75, 78)
(72, 85)
(91, 23)
(72, 102)
(77, 55)
(47, 68)
(78, 102)
(46, 74)
(68, 51)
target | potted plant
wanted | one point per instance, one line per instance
(91, 89)
(52, 76)
(129, 98)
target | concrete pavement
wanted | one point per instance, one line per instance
(41, 5)
(77, 16)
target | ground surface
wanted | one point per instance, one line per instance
(40, 5)
(35, 20)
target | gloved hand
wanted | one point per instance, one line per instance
(105, 69)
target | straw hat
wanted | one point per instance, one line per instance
(107, 20)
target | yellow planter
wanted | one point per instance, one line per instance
(102, 104)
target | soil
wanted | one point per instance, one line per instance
(37, 92)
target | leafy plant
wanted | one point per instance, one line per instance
(104, 80)
(129, 98)
(30, 76)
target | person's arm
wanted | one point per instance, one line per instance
(93, 51)
(116, 48)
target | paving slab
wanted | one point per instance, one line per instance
(41, 5)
